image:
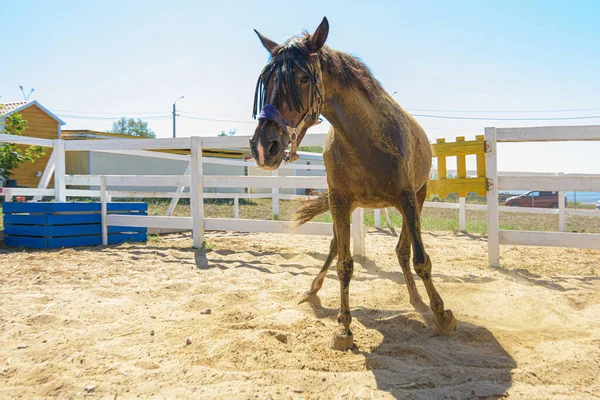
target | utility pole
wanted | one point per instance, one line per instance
(175, 115)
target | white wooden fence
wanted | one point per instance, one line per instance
(550, 182)
(195, 180)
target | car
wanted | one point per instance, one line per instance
(598, 205)
(535, 198)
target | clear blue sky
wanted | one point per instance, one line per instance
(133, 58)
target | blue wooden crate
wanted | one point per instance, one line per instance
(54, 225)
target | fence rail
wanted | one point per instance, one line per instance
(551, 182)
(195, 180)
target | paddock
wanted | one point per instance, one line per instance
(133, 320)
(116, 319)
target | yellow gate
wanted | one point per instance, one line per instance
(442, 186)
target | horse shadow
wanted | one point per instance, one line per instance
(412, 361)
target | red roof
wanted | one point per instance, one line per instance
(6, 108)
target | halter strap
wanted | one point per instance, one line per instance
(296, 133)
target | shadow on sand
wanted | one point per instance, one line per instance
(412, 362)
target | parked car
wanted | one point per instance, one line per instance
(598, 205)
(535, 198)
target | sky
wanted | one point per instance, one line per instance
(92, 62)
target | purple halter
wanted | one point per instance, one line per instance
(270, 113)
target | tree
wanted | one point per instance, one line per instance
(11, 154)
(230, 133)
(132, 127)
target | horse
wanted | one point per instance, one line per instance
(376, 155)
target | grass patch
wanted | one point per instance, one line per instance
(432, 219)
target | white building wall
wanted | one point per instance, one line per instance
(123, 164)
(254, 171)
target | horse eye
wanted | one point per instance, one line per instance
(304, 79)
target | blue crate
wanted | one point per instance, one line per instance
(45, 225)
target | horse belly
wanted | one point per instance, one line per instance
(374, 185)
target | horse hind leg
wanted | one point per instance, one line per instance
(444, 320)
(317, 283)
(403, 253)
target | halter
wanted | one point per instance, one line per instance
(269, 112)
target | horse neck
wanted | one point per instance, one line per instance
(351, 112)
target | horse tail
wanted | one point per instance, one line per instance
(311, 208)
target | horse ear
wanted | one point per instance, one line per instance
(270, 45)
(317, 39)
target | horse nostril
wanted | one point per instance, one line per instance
(274, 147)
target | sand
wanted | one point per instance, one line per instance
(162, 320)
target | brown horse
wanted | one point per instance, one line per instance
(376, 155)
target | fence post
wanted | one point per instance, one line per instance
(562, 214)
(481, 161)
(275, 197)
(377, 217)
(491, 172)
(236, 206)
(197, 192)
(103, 209)
(8, 196)
(462, 214)
(59, 171)
(387, 218)
(358, 231)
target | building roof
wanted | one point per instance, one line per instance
(87, 134)
(16, 106)
(79, 134)
(7, 108)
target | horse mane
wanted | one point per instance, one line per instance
(346, 69)
(350, 71)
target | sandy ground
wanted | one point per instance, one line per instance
(113, 322)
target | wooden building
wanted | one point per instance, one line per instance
(40, 123)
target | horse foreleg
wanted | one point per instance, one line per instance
(444, 320)
(341, 208)
(317, 283)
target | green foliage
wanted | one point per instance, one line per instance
(11, 154)
(132, 127)
(311, 149)
(230, 133)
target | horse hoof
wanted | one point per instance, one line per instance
(342, 342)
(310, 298)
(445, 324)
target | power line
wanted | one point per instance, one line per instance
(84, 117)
(110, 113)
(503, 111)
(210, 114)
(505, 119)
(218, 120)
